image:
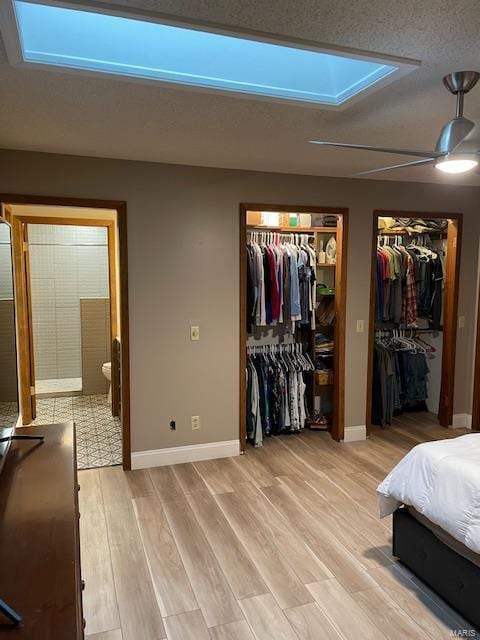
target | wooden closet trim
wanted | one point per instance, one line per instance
(450, 309)
(476, 374)
(338, 429)
(27, 408)
(117, 323)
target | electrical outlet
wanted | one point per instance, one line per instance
(461, 322)
(360, 326)
(195, 423)
(194, 333)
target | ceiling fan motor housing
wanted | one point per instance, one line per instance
(453, 133)
(461, 81)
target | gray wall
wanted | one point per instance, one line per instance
(183, 269)
(67, 263)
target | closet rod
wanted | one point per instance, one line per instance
(279, 232)
(291, 347)
(407, 333)
(312, 230)
(274, 236)
(404, 232)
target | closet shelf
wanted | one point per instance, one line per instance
(326, 266)
(323, 378)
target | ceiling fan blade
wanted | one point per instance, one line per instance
(366, 147)
(470, 143)
(396, 166)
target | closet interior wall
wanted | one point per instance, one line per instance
(413, 315)
(292, 342)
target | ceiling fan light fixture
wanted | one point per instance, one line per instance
(452, 163)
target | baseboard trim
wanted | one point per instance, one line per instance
(188, 453)
(462, 421)
(355, 433)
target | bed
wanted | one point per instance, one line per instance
(434, 495)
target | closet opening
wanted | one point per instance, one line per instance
(292, 320)
(70, 292)
(413, 317)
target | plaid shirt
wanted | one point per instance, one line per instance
(409, 297)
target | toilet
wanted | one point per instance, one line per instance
(107, 372)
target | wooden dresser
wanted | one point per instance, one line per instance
(39, 537)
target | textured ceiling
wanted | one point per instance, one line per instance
(65, 113)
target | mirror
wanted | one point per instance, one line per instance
(8, 353)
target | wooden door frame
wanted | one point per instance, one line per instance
(476, 373)
(6, 218)
(109, 225)
(450, 308)
(338, 428)
(119, 325)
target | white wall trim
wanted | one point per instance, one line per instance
(188, 453)
(462, 421)
(355, 433)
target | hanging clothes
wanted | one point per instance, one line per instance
(408, 315)
(281, 281)
(409, 284)
(276, 400)
(400, 378)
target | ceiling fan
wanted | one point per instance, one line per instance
(458, 145)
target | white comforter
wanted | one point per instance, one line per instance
(441, 480)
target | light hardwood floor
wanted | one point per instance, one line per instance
(282, 543)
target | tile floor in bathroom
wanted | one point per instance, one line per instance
(8, 414)
(99, 435)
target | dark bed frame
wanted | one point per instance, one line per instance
(450, 575)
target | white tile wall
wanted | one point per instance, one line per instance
(90, 235)
(6, 282)
(42, 264)
(67, 263)
(92, 281)
(4, 233)
(6, 287)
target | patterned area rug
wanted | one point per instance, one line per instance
(99, 434)
(8, 414)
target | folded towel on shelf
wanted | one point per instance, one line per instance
(329, 220)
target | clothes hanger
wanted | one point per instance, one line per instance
(430, 347)
(310, 362)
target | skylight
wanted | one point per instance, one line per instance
(85, 40)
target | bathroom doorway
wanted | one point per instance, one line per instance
(68, 292)
(70, 306)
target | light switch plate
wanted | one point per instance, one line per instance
(461, 322)
(360, 326)
(194, 333)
